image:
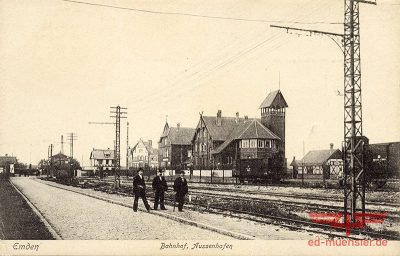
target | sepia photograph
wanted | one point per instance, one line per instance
(184, 127)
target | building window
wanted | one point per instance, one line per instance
(268, 144)
(245, 143)
(165, 141)
(260, 143)
(253, 143)
(166, 153)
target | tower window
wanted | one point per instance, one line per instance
(253, 143)
(245, 143)
(260, 143)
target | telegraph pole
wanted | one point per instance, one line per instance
(354, 141)
(117, 149)
(71, 137)
(117, 115)
(62, 144)
(127, 148)
(50, 156)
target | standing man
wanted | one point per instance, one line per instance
(181, 189)
(160, 186)
(139, 188)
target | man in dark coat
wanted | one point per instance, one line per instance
(181, 189)
(160, 186)
(139, 188)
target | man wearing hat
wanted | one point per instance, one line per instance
(181, 189)
(139, 188)
(160, 186)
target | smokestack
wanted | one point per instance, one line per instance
(178, 125)
(331, 148)
(219, 118)
(150, 143)
(237, 117)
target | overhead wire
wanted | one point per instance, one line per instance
(194, 14)
(232, 59)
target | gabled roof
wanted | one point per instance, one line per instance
(149, 148)
(101, 154)
(7, 160)
(60, 155)
(220, 133)
(295, 162)
(319, 157)
(252, 129)
(275, 100)
(181, 135)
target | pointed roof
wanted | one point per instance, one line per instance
(7, 160)
(252, 129)
(318, 157)
(223, 131)
(60, 155)
(178, 135)
(274, 100)
(102, 154)
(181, 135)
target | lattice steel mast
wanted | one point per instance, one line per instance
(354, 141)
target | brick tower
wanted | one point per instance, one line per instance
(273, 115)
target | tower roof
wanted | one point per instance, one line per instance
(275, 100)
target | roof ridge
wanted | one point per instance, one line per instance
(267, 130)
(245, 130)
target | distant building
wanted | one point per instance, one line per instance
(321, 164)
(143, 155)
(102, 158)
(7, 164)
(59, 159)
(175, 147)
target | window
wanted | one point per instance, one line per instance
(268, 144)
(166, 153)
(195, 147)
(245, 143)
(165, 141)
(253, 143)
(260, 143)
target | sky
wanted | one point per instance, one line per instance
(64, 64)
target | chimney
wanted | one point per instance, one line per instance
(151, 142)
(246, 118)
(237, 118)
(219, 118)
(178, 125)
(331, 148)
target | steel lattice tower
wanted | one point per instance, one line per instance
(354, 141)
(117, 148)
(354, 182)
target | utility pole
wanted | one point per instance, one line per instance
(117, 115)
(127, 148)
(50, 156)
(117, 149)
(354, 141)
(62, 144)
(71, 138)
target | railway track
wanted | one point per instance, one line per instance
(297, 196)
(215, 204)
(314, 197)
(311, 206)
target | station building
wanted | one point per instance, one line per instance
(239, 143)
